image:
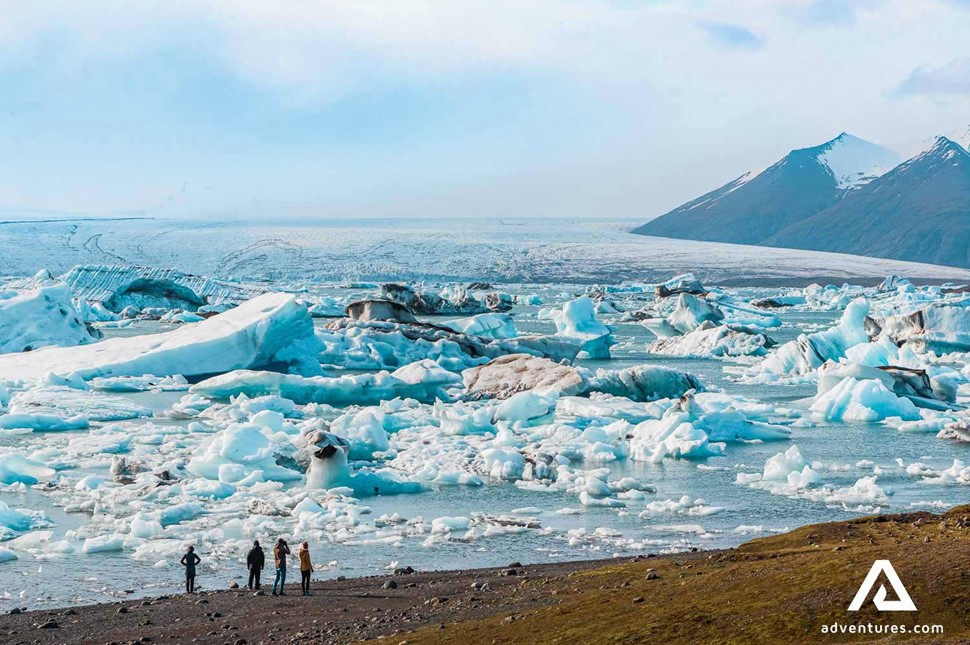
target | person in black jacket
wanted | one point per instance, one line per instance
(189, 560)
(256, 560)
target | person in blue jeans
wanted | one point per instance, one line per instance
(280, 551)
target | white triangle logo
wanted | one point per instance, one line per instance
(905, 603)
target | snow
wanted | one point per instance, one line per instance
(855, 162)
(272, 329)
(41, 317)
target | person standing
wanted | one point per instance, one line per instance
(280, 551)
(189, 560)
(255, 561)
(306, 568)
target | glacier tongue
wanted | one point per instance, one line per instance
(267, 331)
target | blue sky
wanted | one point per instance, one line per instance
(367, 108)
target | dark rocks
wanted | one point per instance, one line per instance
(259, 592)
(122, 610)
(234, 585)
(637, 600)
(653, 576)
(403, 571)
(515, 565)
(509, 572)
(15, 610)
(390, 584)
(50, 624)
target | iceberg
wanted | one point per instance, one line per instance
(271, 330)
(806, 353)
(41, 317)
(507, 375)
(117, 287)
(416, 381)
(577, 324)
(709, 340)
(862, 400)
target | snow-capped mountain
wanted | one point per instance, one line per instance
(758, 205)
(913, 148)
(918, 211)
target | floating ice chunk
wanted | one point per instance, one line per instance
(503, 463)
(145, 527)
(958, 473)
(449, 524)
(864, 491)
(361, 389)
(691, 311)
(527, 406)
(463, 419)
(495, 326)
(16, 468)
(605, 502)
(645, 383)
(237, 452)
(6, 555)
(328, 463)
(707, 340)
(42, 422)
(364, 431)
(41, 317)
(176, 383)
(507, 375)
(807, 352)
(178, 513)
(939, 327)
(686, 505)
(866, 400)
(270, 330)
(577, 323)
(784, 465)
(671, 436)
(20, 520)
(103, 544)
(68, 402)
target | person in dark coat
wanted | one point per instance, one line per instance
(189, 560)
(255, 561)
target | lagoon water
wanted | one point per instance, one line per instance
(45, 579)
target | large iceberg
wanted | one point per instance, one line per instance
(269, 331)
(41, 317)
(806, 353)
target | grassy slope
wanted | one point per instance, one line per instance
(777, 589)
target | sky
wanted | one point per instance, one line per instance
(450, 108)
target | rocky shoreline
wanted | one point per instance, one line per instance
(782, 587)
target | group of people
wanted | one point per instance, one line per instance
(256, 562)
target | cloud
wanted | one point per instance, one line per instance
(952, 78)
(733, 36)
(830, 12)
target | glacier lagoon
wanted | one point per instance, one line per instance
(92, 532)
